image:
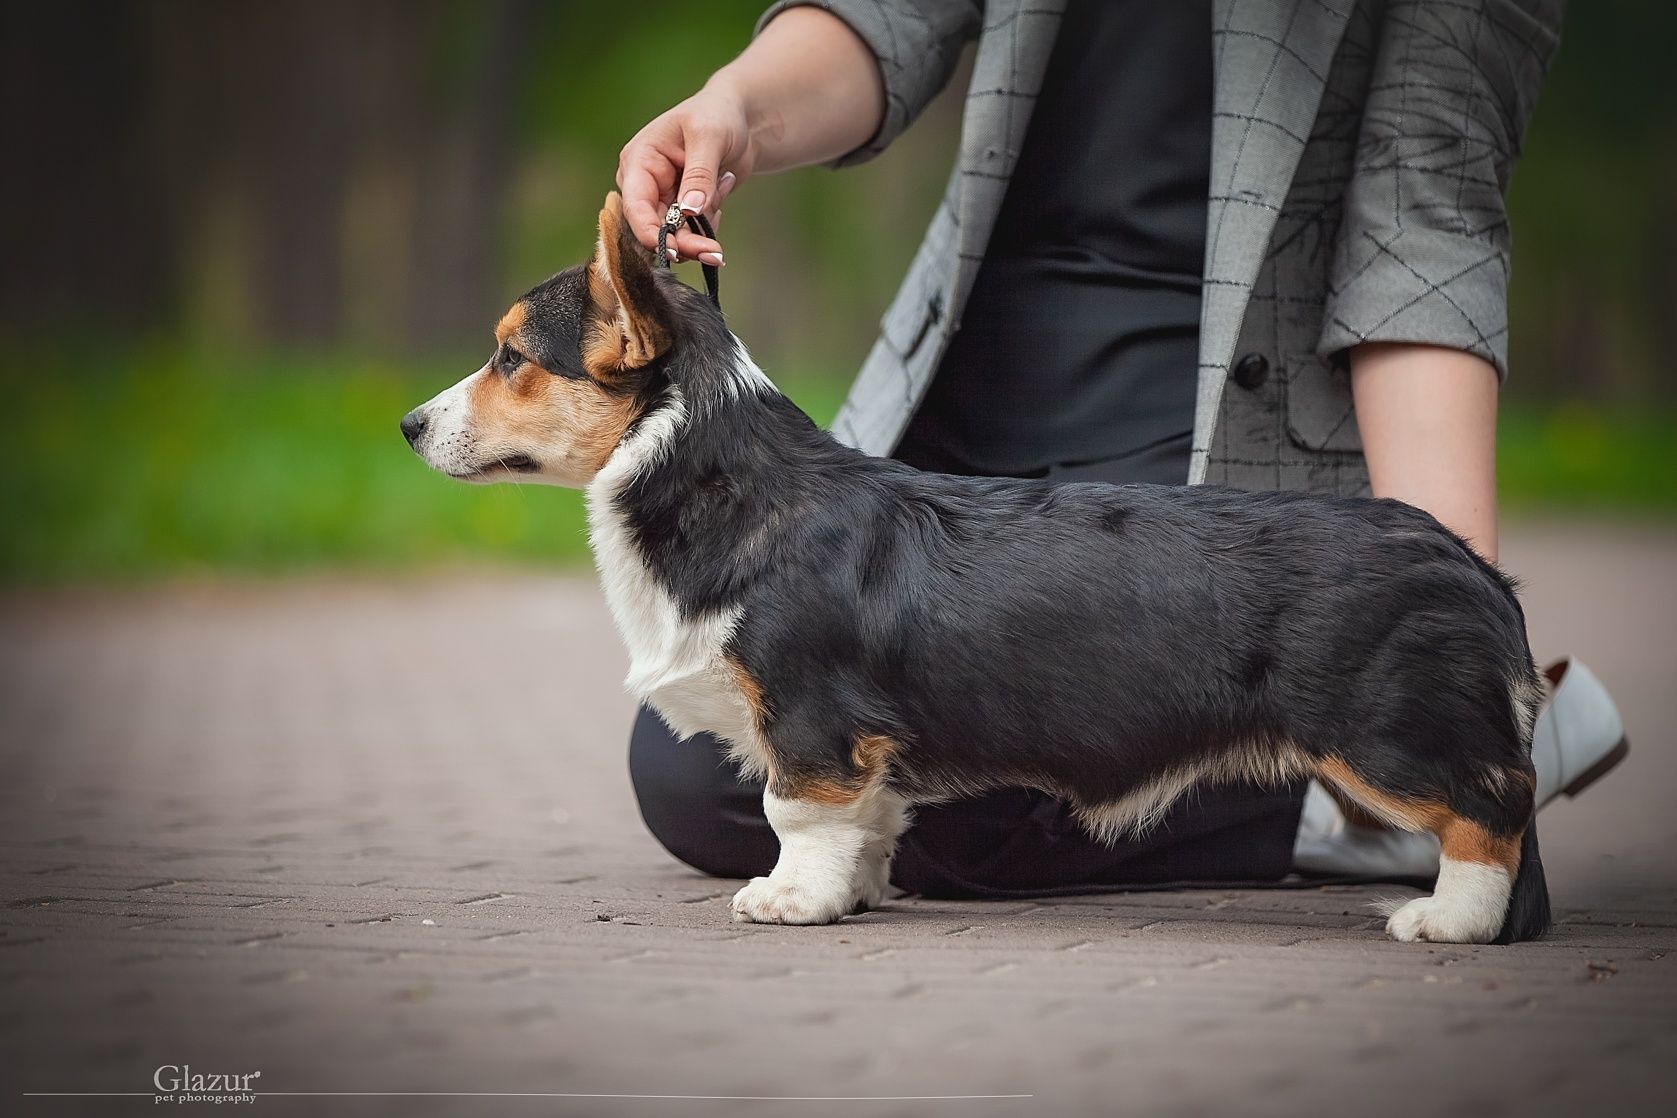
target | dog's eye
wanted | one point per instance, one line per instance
(510, 358)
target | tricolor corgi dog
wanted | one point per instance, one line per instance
(867, 637)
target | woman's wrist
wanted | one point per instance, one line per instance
(807, 90)
(732, 99)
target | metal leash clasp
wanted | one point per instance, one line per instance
(673, 219)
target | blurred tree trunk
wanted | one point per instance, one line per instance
(303, 173)
(463, 168)
(89, 230)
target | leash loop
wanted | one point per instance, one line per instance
(673, 219)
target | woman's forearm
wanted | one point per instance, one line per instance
(1427, 416)
(809, 88)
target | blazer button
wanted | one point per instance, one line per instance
(1251, 371)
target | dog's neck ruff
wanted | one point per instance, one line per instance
(676, 655)
(665, 646)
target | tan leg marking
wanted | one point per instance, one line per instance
(752, 691)
(1460, 839)
(750, 748)
(870, 754)
(1354, 812)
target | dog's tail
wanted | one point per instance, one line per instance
(1528, 908)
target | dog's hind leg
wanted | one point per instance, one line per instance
(1476, 874)
(1478, 864)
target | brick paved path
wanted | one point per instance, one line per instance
(379, 837)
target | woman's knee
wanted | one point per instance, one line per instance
(694, 803)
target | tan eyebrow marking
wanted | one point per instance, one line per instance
(510, 323)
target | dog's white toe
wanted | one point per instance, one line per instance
(1409, 923)
(767, 901)
(1434, 921)
(1467, 906)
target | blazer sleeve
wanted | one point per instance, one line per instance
(917, 44)
(1423, 249)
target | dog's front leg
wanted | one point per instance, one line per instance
(820, 875)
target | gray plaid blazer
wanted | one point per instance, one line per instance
(1360, 152)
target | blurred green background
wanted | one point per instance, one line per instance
(240, 240)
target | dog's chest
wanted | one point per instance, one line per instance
(677, 664)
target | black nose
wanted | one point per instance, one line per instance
(413, 426)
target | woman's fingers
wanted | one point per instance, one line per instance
(678, 158)
(647, 171)
(707, 250)
(707, 255)
(708, 139)
(723, 188)
(690, 246)
(643, 192)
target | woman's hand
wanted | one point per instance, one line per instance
(806, 90)
(696, 152)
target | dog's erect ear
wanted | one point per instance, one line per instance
(627, 330)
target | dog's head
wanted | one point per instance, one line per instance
(574, 366)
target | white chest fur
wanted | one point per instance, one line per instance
(676, 663)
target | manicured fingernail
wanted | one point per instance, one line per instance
(725, 187)
(714, 259)
(674, 256)
(693, 201)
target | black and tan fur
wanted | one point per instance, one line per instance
(870, 637)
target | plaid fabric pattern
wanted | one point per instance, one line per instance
(1360, 151)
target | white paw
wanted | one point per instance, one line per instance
(767, 901)
(1435, 921)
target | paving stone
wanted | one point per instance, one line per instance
(378, 837)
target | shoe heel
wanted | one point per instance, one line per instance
(1609, 761)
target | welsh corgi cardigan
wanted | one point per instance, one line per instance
(868, 637)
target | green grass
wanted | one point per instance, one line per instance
(125, 466)
(1576, 457)
(136, 465)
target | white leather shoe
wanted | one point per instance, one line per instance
(1579, 738)
(1329, 845)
